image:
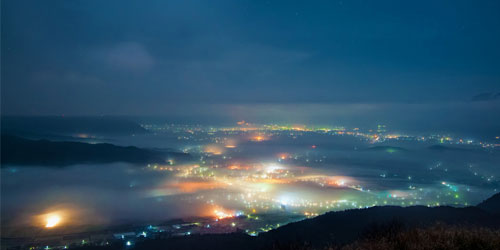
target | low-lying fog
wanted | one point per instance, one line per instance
(306, 172)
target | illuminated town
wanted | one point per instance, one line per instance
(249, 125)
(245, 179)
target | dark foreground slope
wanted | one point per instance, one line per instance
(492, 204)
(341, 228)
(344, 227)
(437, 237)
(19, 151)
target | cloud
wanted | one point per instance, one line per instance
(240, 70)
(70, 78)
(490, 96)
(128, 56)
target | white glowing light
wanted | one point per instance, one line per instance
(272, 168)
(53, 220)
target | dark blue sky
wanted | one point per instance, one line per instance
(189, 57)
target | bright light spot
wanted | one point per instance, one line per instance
(220, 214)
(259, 138)
(53, 220)
(285, 200)
(129, 243)
(272, 168)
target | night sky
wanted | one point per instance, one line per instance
(242, 116)
(295, 60)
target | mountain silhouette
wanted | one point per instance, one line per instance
(491, 204)
(20, 151)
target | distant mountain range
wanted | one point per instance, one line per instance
(20, 151)
(59, 125)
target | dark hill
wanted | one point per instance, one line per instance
(491, 204)
(346, 226)
(19, 151)
(336, 228)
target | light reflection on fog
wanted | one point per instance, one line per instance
(278, 174)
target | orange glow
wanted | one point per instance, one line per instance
(191, 187)
(221, 213)
(53, 220)
(214, 149)
(392, 136)
(231, 143)
(339, 181)
(276, 181)
(284, 156)
(259, 138)
(236, 167)
(63, 215)
(299, 128)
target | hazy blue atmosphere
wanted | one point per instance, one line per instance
(128, 57)
(125, 121)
